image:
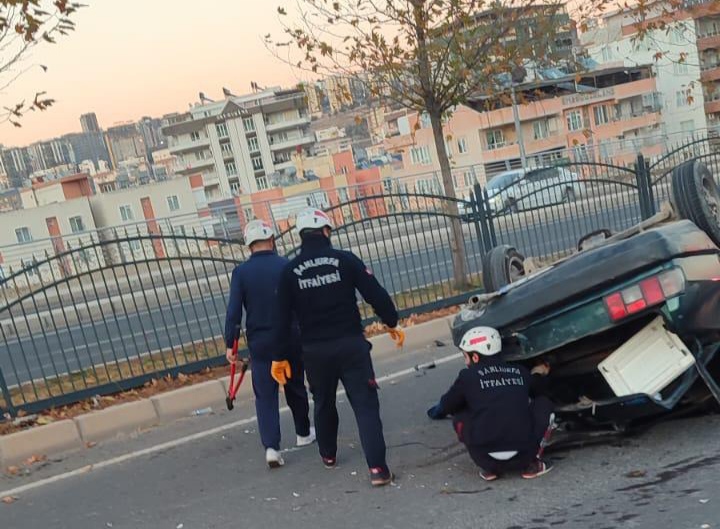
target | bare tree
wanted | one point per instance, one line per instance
(424, 55)
(25, 24)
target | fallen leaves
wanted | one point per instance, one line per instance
(7, 500)
(12, 470)
(35, 459)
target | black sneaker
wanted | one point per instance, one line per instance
(329, 462)
(536, 469)
(380, 476)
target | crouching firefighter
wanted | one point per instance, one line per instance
(253, 287)
(320, 285)
(496, 412)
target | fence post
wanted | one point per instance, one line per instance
(642, 178)
(6, 396)
(480, 214)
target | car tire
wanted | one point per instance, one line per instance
(696, 197)
(501, 266)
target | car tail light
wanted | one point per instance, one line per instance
(648, 293)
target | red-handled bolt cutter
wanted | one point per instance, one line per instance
(233, 389)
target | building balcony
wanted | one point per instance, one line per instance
(289, 124)
(637, 120)
(293, 143)
(189, 146)
(195, 166)
(710, 72)
(553, 141)
(502, 151)
(282, 165)
(712, 107)
(708, 41)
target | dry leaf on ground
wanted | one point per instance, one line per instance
(7, 500)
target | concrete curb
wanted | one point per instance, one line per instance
(124, 419)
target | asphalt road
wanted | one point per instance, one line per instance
(664, 478)
(60, 349)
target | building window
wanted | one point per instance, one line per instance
(469, 178)
(420, 155)
(688, 126)
(249, 124)
(462, 146)
(387, 185)
(574, 120)
(540, 129)
(201, 155)
(262, 183)
(222, 130)
(225, 148)
(173, 203)
(495, 139)
(230, 168)
(682, 99)
(76, 224)
(194, 136)
(607, 54)
(23, 235)
(253, 144)
(343, 195)
(126, 213)
(257, 163)
(681, 68)
(249, 214)
(235, 188)
(601, 114)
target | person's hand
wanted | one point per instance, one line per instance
(231, 355)
(280, 371)
(541, 369)
(398, 335)
(436, 412)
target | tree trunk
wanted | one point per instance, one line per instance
(457, 239)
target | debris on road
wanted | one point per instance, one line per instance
(202, 411)
(296, 495)
(7, 500)
(704, 501)
(636, 474)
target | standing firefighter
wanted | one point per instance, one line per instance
(497, 412)
(320, 287)
(254, 288)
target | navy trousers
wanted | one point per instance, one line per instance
(347, 360)
(266, 401)
(541, 408)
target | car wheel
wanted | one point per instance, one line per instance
(696, 197)
(569, 195)
(501, 266)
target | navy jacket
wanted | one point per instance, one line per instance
(495, 396)
(253, 287)
(319, 286)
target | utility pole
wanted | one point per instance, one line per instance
(518, 127)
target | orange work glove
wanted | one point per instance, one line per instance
(280, 371)
(398, 335)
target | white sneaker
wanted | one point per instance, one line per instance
(273, 458)
(307, 440)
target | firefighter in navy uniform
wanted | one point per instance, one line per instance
(498, 409)
(253, 287)
(320, 285)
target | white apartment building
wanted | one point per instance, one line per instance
(613, 43)
(240, 144)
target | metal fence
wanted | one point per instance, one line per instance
(111, 310)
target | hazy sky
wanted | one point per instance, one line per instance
(130, 58)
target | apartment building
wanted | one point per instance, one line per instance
(674, 55)
(65, 213)
(125, 142)
(240, 145)
(610, 114)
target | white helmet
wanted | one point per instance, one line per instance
(311, 219)
(257, 230)
(482, 340)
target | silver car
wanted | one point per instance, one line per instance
(522, 189)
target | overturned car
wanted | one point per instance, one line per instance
(629, 324)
